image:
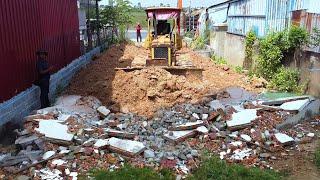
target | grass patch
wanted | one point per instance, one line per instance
(219, 60)
(211, 168)
(131, 173)
(317, 157)
(214, 168)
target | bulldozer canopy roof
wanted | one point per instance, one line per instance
(163, 13)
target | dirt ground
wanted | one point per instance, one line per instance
(145, 91)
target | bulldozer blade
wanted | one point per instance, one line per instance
(188, 72)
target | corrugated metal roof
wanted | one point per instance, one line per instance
(277, 13)
(247, 15)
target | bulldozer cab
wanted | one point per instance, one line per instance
(163, 39)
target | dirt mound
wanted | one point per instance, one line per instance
(146, 90)
(143, 92)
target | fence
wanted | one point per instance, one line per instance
(28, 25)
(310, 21)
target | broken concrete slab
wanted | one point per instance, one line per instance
(54, 130)
(187, 126)
(295, 105)
(13, 160)
(241, 154)
(308, 112)
(246, 137)
(126, 147)
(63, 117)
(279, 101)
(202, 130)
(25, 141)
(48, 155)
(103, 111)
(179, 136)
(242, 119)
(101, 143)
(284, 139)
(34, 156)
(215, 105)
(119, 134)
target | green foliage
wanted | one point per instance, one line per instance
(317, 157)
(214, 168)
(138, 16)
(315, 38)
(198, 43)
(297, 37)
(249, 42)
(272, 50)
(131, 173)
(238, 69)
(286, 80)
(117, 16)
(270, 57)
(218, 60)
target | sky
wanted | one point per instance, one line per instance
(186, 3)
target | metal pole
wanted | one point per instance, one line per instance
(89, 26)
(190, 15)
(98, 23)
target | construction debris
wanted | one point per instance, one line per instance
(54, 130)
(243, 131)
(126, 147)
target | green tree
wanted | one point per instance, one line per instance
(117, 16)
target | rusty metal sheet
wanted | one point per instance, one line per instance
(28, 25)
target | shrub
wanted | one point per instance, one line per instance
(285, 80)
(297, 37)
(198, 43)
(249, 43)
(272, 49)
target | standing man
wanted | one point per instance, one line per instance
(138, 29)
(43, 71)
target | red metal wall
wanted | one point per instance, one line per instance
(28, 25)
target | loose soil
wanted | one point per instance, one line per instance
(145, 91)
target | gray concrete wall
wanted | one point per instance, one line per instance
(234, 49)
(24, 103)
(217, 41)
(309, 65)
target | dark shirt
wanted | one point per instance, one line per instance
(138, 28)
(43, 65)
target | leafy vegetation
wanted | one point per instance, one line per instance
(317, 157)
(117, 16)
(198, 43)
(249, 43)
(214, 168)
(138, 16)
(238, 69)
(218, 60)
(315, 38)
(286, 80)
(131, 173)
(272, 50)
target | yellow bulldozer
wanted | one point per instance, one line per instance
(164, 41)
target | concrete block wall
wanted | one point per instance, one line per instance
(24, 103)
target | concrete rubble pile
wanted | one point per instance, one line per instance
(78, 134)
